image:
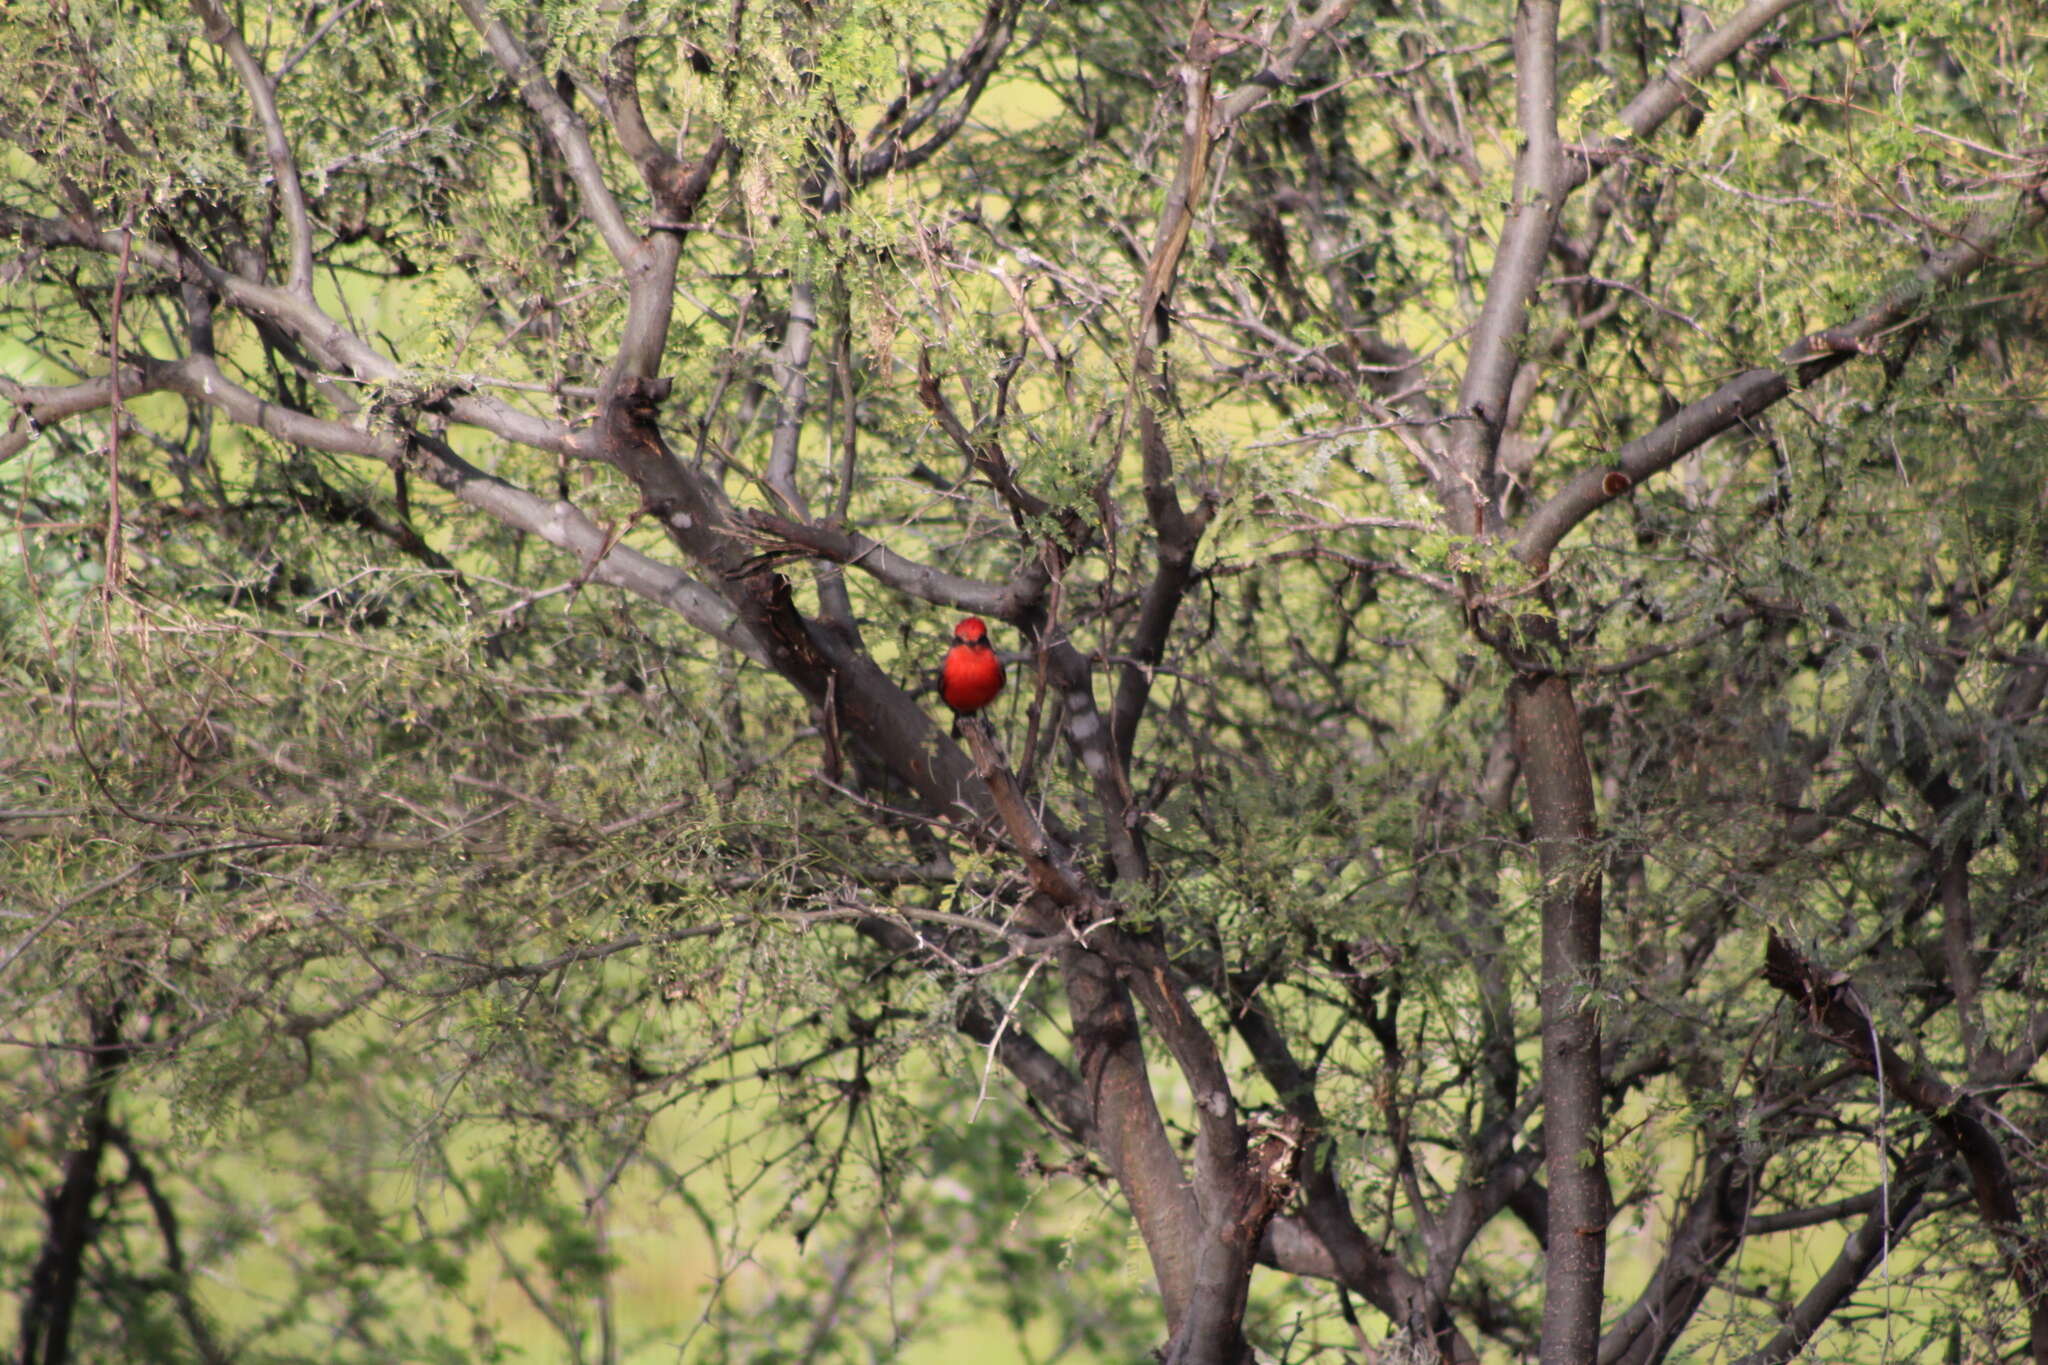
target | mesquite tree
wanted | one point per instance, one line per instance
(1514, 831)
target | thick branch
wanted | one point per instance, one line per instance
(1005, 601)
(676, 191)
(1835, 1011)
(1540, 187)
(221, 31)
(328, 341)
(1327, 1216)
(823, 662)
(41, 405)
(650, 265)
(1213, 1332)
(1133, 1139)
(1221, 1256)
(1560, 793)
(1668, 91)
(1701, 1243)
(1131, 1135)
(571, 137)
(1752, 391)
(54, 1283)
(1864, 1248)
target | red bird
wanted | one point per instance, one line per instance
(972, 674)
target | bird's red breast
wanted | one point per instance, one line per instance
(972, 674)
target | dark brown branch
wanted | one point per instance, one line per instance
(1131, 1135)
(1869, 1244)
(985, 456)
(166, 1218)
(969, 73)
(1559, 784)
(628, 117)
(52, 1297)
(1221, 1254)
(824, 663)
(1813, 1215)
(1050, 865)
(1837, 1013)
(1178, 533)
(1712, 1228)
(1133, 1140)
(1327, 1215)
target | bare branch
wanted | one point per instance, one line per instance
(985, 456)
(1006, 601)
(329, 342)
(1540, 187)
(1671, 88)
(968, 73)
(1836, 1011)
(1177, 532)
(559, 523)
(221, 31)
(1864, 1248)
(571, 136)
(1752, 391)
(37, 406)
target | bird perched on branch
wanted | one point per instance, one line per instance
(972, 674)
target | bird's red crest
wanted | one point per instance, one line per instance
(970, 630)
